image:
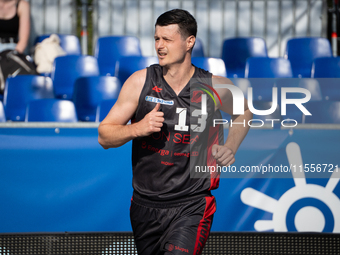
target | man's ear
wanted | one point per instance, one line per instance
(191, 42)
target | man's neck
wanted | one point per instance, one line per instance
(178, 75)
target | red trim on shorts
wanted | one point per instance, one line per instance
(213, 138)
(205, 225)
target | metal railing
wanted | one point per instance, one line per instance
(274, 20)
(52, 16)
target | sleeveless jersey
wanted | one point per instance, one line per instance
(9, 28)
(164, 163)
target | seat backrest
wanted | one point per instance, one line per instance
(214, 65)
(55, 110)
(69, 43)
(322, 112)
(67, 69)
(293, 92)
(330, 88)
(110, 48)
(90, 91)
(265, 105)
(328, 67)
(104, 108)
(22, 89)
(235, 52)
(262, 67)
(302, 51)
(128, 65)
(2, 113)
(198, 50)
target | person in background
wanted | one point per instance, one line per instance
(14, 25)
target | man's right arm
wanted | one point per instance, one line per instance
(113, 130)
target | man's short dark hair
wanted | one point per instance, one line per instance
(186, 22)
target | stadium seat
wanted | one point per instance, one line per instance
(266, 105)
(323, 112)
(110, 48)
(67, 69)
(198, 50)
(90, 91)
(22, 89)
(55, 110)
(235, 52)
(103, 109)
(302, 51)
(2, 113)
(263, 67)
(69, 43)
(214, 65)
(312, 85)
(327, 72)
(330, 88)
(326, 67)
(128, 65)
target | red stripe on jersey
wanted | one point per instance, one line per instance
(213, 139)
(205, 225)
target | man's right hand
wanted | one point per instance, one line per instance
(151, 123)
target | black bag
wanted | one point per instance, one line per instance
(13, 63)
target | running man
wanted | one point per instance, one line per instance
(171, 112)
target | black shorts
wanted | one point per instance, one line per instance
(171, 228)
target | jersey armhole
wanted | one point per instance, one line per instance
(142, 94)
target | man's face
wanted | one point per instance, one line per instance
(170, 45)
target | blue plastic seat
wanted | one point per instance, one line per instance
(235, 52)
(312, 85)
(67, 69)
(69, 43)
(110, 49)
(22, 89)
(104, 108)
(90, 91)
(214, 65)
(327, 72)
(198, 50)
(128, 65)
(302, 51)
(263, 67)
(266, 105)
(326, 67)
(323, 112)
(52, 110)
(330, 88)
(2, 113)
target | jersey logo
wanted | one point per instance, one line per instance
(159, 100)
(156, 89)
(196, 96)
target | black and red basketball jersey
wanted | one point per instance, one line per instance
(162, 161)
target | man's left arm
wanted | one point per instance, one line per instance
(225, 155)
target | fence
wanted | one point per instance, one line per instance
(274, 20)
(52, 16)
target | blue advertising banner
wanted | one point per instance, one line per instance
(60, 179)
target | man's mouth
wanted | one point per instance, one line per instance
(161, 54)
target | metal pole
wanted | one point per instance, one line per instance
(83, 33)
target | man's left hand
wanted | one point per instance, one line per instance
(223, 155)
